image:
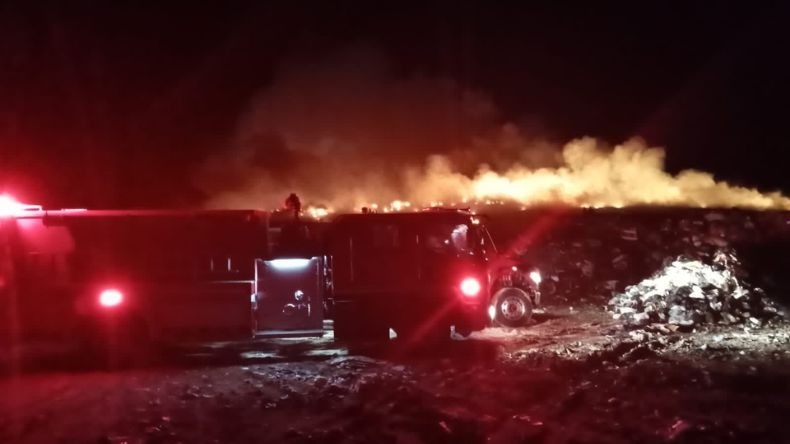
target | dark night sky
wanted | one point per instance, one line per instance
(108, 105)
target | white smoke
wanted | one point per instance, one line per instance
(346, 132)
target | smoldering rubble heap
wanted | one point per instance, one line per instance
(587, 256)
(690, 292)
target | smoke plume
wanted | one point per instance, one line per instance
(346, 132)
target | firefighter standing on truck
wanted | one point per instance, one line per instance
(294, 235)
(293, 203)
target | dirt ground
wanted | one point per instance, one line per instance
(573, 376)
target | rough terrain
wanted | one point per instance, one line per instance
(575, 375)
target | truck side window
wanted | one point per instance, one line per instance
(459, 237)
(447, 239)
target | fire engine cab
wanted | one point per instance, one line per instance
(422, 274)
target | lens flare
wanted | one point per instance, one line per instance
(110, 298)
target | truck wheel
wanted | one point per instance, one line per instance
(512, 308)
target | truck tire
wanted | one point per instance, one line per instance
(512, 308)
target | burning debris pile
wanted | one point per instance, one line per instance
(689, 292)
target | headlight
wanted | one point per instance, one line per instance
(535, 276)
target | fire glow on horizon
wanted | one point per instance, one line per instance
(629, 175)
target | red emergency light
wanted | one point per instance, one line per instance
(110, 298)
(470, 287)
(11, 207)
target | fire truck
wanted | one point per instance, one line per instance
(115, 280)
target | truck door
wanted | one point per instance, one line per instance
(289, 297)
(375, 257)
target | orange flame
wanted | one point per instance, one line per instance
(630, 174)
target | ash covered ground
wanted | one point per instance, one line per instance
(609, 359)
